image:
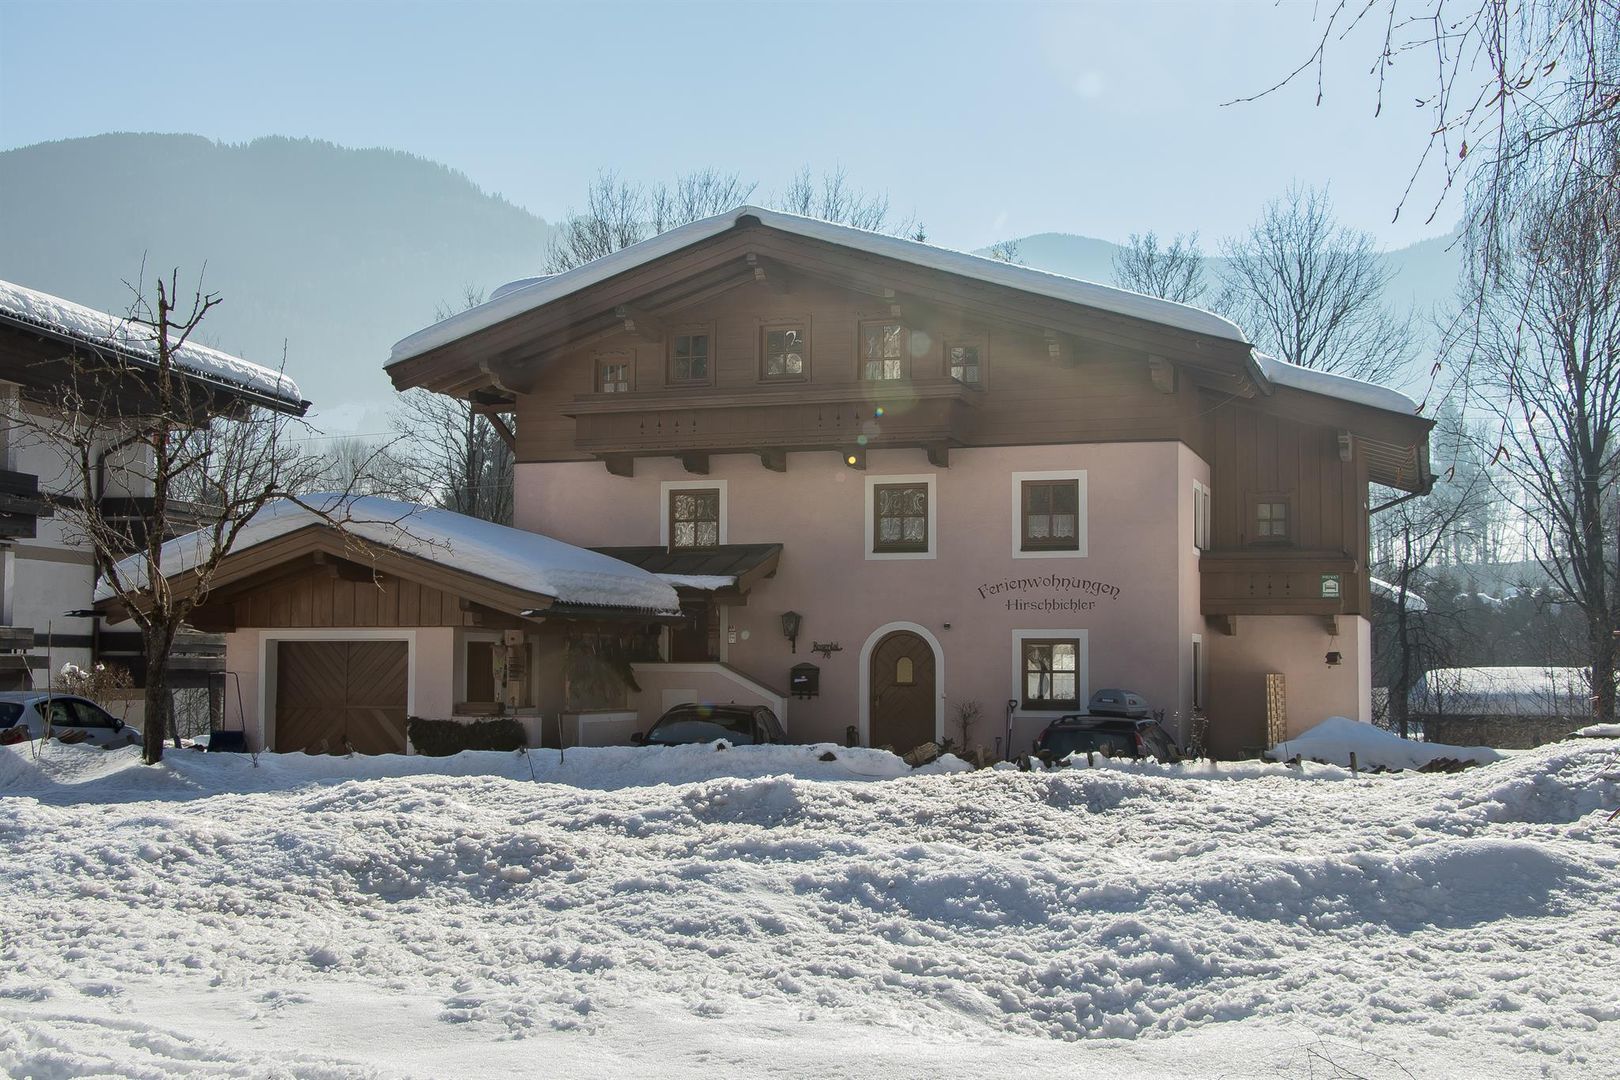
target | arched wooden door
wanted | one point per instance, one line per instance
(902, 684)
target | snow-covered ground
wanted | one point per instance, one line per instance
(766, 913)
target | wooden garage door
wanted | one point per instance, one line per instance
(334, 697)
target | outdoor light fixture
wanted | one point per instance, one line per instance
(1334, 659)
(790, 628)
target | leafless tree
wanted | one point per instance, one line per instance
(367, 467)
(1006, 251)
(1312, 292)
(1409, 536)
(1550, 343)
(195, 457)
(1522, 92)
(619, 213)
(450, 452)
(831, 197)
(1174, 272)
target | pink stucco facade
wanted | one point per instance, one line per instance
(1131, 597)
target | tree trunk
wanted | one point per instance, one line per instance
(159, 702)
(1600, 644)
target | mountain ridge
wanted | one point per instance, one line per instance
(325, 255)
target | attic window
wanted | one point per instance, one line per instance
(689, 358)
(883, 351)
(963, 363)
(785, 353)
(614, 377)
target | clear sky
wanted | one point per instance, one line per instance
(986, 120)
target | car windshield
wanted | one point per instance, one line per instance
(702, 727)
(1114, 743)
(10, 713)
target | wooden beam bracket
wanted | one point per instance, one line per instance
(774, 460)
(1163, 374)
(697, 464)
(620, 464)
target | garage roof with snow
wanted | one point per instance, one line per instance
(368, 528)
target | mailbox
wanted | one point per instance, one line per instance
(804, 681)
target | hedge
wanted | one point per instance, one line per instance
(441, 738)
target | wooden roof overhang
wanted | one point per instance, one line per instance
(320, 546)
(1394, 445)
(748, 564)
(43, 363)
(492, 365)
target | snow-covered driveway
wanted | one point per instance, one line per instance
(210, 917)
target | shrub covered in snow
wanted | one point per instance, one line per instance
(441, 738)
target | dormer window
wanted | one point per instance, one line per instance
(883, 351)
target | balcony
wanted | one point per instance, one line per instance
(935, 414)
(1279, 581)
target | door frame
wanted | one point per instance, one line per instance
(866, 677)
(268, 672)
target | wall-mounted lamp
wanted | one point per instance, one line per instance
(1334, 659)
(790, 628)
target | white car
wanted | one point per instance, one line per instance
(25, 712)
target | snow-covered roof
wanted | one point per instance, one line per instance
(1284, 373)
(703, 582)
(514, 557)
(517, 297)
(1502, 691)
(525, 294)
(1392, 593)
(67, 319)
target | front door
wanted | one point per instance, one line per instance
(903, 699)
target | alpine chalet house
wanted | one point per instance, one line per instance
(892, 483)
(49, 570)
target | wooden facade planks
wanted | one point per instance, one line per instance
(317, 599)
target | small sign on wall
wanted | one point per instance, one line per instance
(1330, 586)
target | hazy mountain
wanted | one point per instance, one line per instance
(336, 252)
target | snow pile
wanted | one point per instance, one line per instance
(204, 917)
(515, 557)
(94, 327)
(1337, 737)
(1502, 691)
(1599, 731)
(1384, 590)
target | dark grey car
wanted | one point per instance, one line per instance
(740, 725)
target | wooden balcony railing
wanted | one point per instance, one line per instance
(1280, 581)
(934, 413)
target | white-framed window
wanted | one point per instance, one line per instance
(669, 487)
(1201, 515)
(1049, 514)
(901, 517)
(1050, 674)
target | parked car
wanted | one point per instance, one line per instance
(23, 715)
(1116, 724)
(740, 725)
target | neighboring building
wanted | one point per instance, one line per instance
(49, 572)
(335, 634)
(976, 482)
(1512, 708)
